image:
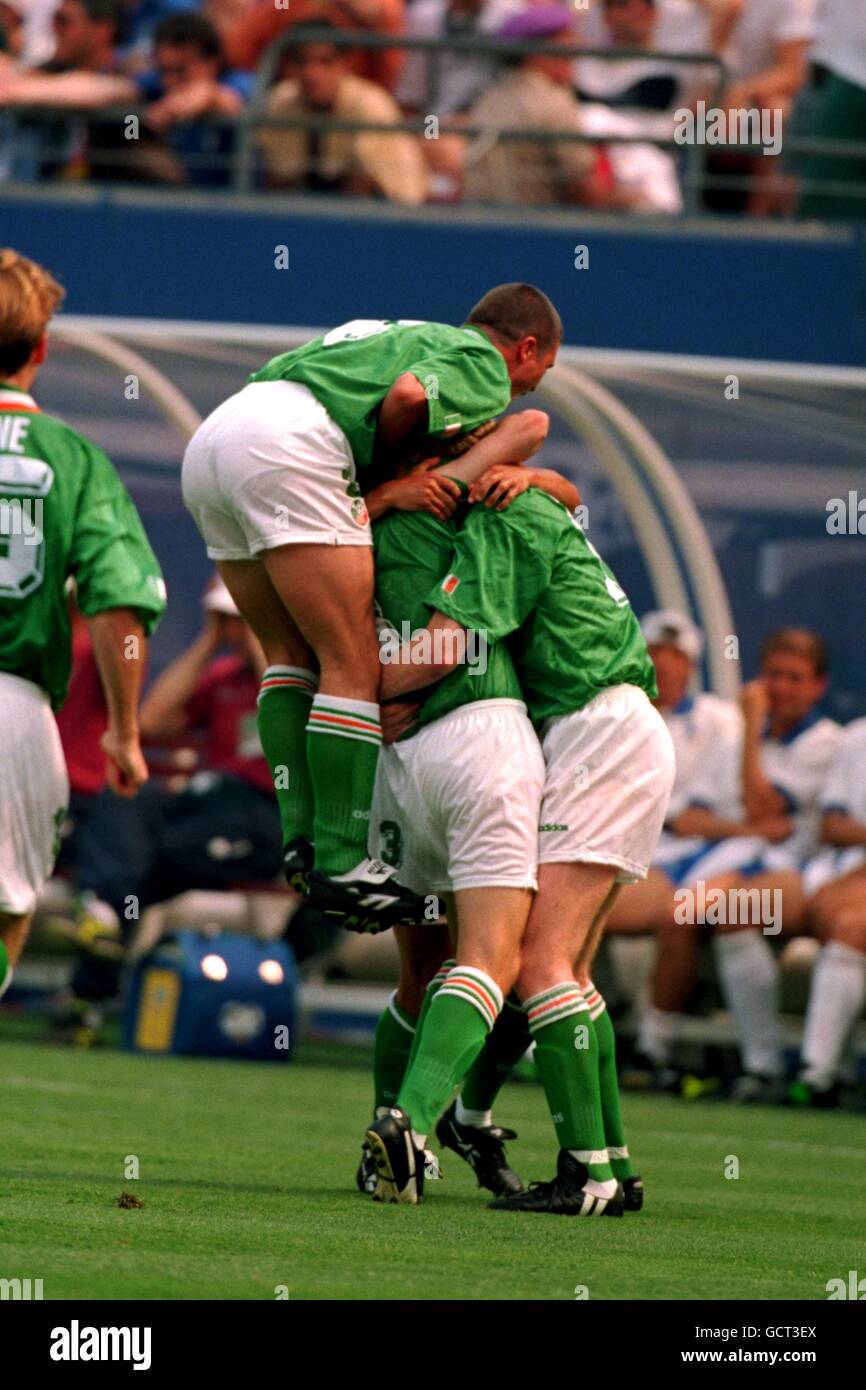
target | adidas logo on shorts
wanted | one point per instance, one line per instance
(551, 825)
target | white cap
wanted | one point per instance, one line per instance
(217, 599)
(669, 628)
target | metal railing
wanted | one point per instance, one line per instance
(240, 166)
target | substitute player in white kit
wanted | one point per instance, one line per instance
(63, 513)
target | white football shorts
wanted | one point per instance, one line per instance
(270, 467)
(610, 773)
(34, 793)
(456, 805)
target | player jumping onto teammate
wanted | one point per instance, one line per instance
(272, 479)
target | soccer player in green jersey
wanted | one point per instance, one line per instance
(274, 478)
(63, 513)
(529, 574)
(471, 823)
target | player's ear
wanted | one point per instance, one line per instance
(528, 348)
(40, 352)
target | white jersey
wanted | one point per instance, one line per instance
(845, 785)
(844, 791)
(797, 766)
(707, 735)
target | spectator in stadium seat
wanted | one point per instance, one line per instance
(317, 81)
(249, 39)
(12, 36)
(766, 61)
(787, 752)
(141, 20)
(534, 92)
(833, 107)
(448, 85)
(189, 82)
(220, 826)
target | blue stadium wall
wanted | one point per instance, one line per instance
(722, 289)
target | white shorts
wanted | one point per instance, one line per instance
(270, 467)
(34, 794)
(456, 806)
(610, 772)
(831, 864)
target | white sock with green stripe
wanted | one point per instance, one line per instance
(343, 741)
(566, 1054)
(450, 1036)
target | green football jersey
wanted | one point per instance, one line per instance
(530, 571)
(352, 368)
(63, 511)
(412, 549)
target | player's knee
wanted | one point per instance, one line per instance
(539, 972)
(822, 912)
(849, 929)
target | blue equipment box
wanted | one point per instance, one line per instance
(206, 996)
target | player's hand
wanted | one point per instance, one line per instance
(774, 828)
(500, 484)
(396, 717)
(127, 770)
(422, 490)
(754, 701)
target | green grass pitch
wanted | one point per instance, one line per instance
(246, 1175)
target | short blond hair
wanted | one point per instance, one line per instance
(28, 298)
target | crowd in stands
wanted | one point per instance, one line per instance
(151, 91)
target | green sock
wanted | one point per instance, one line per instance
(566, 1054)
(395, 1033)
(461, 1013)
(5, 968)
(429, 995)
(283, 711)
(343, 741)
(614, 1130)
(503, 1048)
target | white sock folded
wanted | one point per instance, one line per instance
(835, 1001)
(750, 984)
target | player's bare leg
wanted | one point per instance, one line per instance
(640, 905)
(14, 928)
